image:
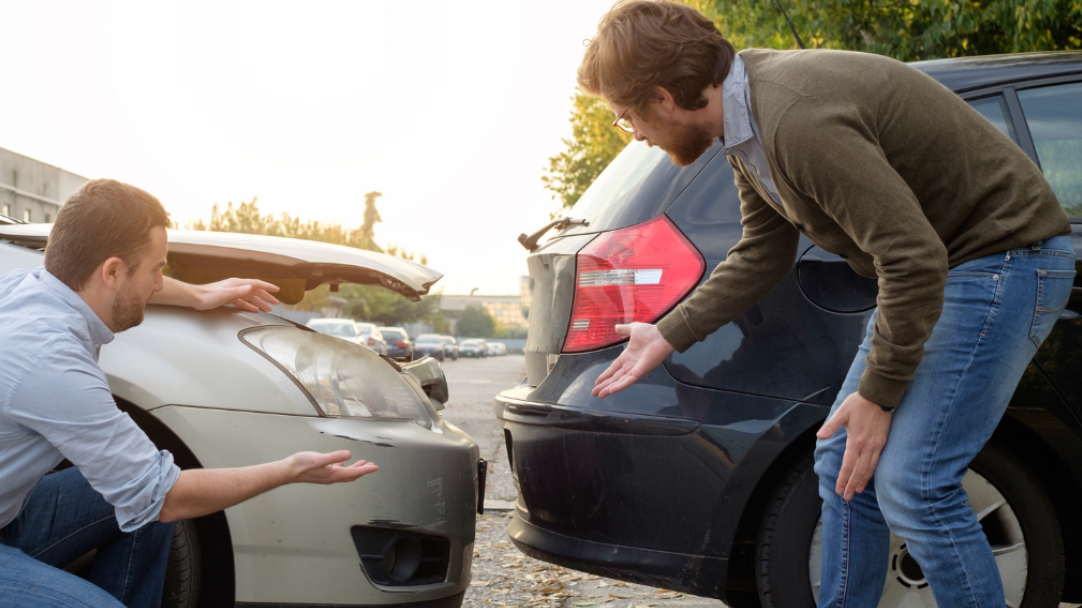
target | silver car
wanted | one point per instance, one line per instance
(228, 388)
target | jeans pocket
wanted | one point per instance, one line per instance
(1053, 291)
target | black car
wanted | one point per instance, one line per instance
(429, 345)
(399, 345)
(698, 478)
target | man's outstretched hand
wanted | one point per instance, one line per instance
(314, 467)
(645, 351)
(249, 294)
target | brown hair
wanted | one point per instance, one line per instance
(103, 219)
(641, 44)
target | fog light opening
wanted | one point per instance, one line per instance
(401, 558)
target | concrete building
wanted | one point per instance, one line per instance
(505, 309)
(31, 190)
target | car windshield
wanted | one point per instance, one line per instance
(429, 341)
(341, 330)
(471, 343)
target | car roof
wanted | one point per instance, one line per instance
(962, 74)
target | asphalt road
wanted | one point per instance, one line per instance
(502, 576)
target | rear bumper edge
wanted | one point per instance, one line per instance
(694, 574)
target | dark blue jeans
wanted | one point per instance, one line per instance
(63, 520)
(997, 311)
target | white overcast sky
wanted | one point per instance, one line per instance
(449, 108)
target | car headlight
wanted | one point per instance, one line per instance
(341, 378)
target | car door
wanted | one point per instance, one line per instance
(1052, 121)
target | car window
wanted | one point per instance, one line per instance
(1054, 116)
(995, 110)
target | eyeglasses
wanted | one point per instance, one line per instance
(624, 124)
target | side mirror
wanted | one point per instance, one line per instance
(430, 375)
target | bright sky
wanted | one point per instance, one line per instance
(450, 108)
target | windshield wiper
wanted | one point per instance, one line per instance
(530, 242)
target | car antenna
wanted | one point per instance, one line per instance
(799, 42)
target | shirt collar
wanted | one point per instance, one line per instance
(734, 108)
(99, 331)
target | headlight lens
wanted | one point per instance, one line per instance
(343, 379)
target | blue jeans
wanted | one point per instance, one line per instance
(63, 520)
(996, 312)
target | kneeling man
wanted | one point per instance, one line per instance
(103, 264)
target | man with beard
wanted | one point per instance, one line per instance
(876, 162)
(103, 264)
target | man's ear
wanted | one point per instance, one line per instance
(110, 271)
(665, 100)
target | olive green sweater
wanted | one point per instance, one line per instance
(878, 163)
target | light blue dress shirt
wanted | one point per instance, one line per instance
(55, 403)
(741, 133)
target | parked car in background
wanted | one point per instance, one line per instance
(372, 338)
(429, 345)
(399, 345)
(474, 347)
(229, 388)
(345, 329)
(495, 349)
(450, 346)
(699, 477)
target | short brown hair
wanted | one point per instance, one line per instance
(641, 44)
(103, 219)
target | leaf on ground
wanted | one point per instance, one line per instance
(619, 584)
(585, 604)
(550, 590)
(619, 597)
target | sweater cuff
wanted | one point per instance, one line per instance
(676, 331)
(881, 391)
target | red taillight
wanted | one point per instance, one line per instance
(401, 344)
(634, 274)
(371, 341)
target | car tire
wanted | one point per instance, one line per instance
(183, 575)
(783, 551)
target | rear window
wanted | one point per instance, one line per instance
(638, 185)
(394, 334)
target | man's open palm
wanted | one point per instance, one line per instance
(645, 351)
(313, 467)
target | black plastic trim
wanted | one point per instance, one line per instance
(696, 574)
(541, 414)
(452, 601)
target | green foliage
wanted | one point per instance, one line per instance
(475, 322)
(367, 302)
(907, 30)
(593, 144)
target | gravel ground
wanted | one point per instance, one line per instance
(502, 576)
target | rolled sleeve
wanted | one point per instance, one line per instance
(66, 399)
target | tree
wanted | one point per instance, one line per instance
(593, 145)
(475, 322)
(371, 218)
(908, 31)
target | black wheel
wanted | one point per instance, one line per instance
(183, 576)
(1014, 511)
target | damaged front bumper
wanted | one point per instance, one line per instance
(403, 535)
